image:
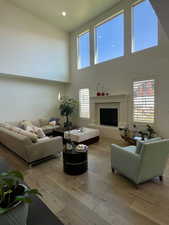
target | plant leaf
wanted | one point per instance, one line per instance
(16, 174)
(23, 199)
(34, 192)
(3, 210)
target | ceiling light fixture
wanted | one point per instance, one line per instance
(63, 13)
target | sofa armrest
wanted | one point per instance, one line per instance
(56, 142)
(45, 148)
(125, 161)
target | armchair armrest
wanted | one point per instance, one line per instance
(125, 161)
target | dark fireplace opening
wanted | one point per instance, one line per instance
(109, 117)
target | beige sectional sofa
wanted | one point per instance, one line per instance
(28, 148)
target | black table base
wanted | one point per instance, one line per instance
(75, 163)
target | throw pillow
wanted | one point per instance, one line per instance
(54, 119)
(32, 136)
(52, 123)
(25, 123)
(40, 133)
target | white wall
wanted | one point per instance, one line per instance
(31, 47)
(28, 98)
(117, 75)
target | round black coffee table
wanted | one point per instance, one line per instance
(75, 163)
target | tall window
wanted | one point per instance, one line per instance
(83, 50)
(144, 26)
(84, 103)
(144, 101)
(109, 39)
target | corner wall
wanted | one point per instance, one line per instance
(31, 47)
(117, 75)
(28, 99)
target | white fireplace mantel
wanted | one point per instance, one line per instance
(120, 100)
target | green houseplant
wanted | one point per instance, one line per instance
(14, 198)
(67, 107)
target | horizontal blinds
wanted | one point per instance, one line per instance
(143, 101)
(84, 103)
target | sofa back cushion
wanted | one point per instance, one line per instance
(32, 136)
(43, 122)
(18, 130)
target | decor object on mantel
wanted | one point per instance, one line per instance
(101, 91)
(14, 198)
(67, 107)
(132, 135)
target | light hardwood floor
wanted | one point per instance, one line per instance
(97, 197)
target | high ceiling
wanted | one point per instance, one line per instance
(78, 12)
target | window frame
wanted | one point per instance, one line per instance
(156, 92)
(121, 11)
(80, 104)
(135, 3)
(78, 48)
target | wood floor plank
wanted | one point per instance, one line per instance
(97, 197)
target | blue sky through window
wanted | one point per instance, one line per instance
(145, 26)
(110, 39)
(84, 50)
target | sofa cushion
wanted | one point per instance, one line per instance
(18, 130)
(36, 130)
(43, 122)
(49, 128)
(35, 123)
(32, 136)
(25, 123)
(5, 125)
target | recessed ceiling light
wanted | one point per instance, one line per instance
(63, 13)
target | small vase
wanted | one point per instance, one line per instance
(98, 93)
(103, 94)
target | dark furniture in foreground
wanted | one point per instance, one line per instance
(39, 213)
(75, 163)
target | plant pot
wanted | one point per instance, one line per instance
(17, 214)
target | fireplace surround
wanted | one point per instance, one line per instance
(118, 102)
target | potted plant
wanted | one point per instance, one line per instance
(14, 198)
(67, 107)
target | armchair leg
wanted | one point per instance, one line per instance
(137, 186)
(161, 178)
(113, 170)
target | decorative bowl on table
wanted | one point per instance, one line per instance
(81, 148)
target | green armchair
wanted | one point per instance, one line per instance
(142, 162)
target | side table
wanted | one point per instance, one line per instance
(75, 163)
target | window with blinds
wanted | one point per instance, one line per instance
(144, 101)
(84, 103)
